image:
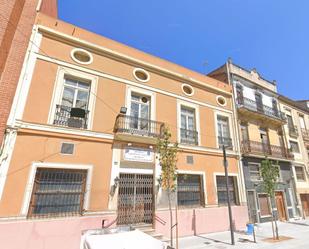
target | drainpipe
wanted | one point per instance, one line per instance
(237, 137)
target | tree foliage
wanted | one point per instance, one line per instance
(270, 175)
(168, 159)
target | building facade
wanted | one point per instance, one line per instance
(16, 22)
(261, 135)
(297, 136)
(84, 127)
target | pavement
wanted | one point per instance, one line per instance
(295, 233)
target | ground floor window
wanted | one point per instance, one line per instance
(57, 192)
(189, 190)
(264, 205)
(221, 190)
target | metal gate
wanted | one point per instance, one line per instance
(135, 198)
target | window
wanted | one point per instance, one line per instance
(73, 110)
(187, 89)
(141, 75)
(188, 133)
(264, 205)
(300, 174)
(275, 108)
(57, 192)
(81, 56)
(140, 112)
(259, 102)
(223, 132)
(221, 190)
(254, 170)
(294, 147)
(189, 190)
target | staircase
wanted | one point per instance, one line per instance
(147, 228)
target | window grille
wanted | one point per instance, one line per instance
(221, 190)
(57, 192)
(189, 190)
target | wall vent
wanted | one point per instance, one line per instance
(190, 160)
(67, 148)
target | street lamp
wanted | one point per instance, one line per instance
(225, 164)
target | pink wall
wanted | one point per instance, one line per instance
(202, 220)
(47, 234)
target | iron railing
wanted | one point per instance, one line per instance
(259, 108)
(138, 126)
(57, 192)
(71, 117)
(259, 148)
(293, 131)
(305, 134)
(226, 141)
(188, 136)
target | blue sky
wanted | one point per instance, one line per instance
(269, 35)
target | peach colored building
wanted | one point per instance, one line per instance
(83, 128)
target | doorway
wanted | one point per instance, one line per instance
(280, 206)
(305, 204)
(135, 199)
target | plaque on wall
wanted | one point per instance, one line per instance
(138, 154)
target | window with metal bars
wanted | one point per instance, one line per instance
(222, 193)
(189, 190)
(57, 192)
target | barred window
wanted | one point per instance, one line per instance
(189, 190)
(300, 175)
(57, 192)
(254, 170)
(264, 205)
(222, 193)
(294, 147)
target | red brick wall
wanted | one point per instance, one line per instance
(16, 21)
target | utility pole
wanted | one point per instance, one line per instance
(225, 164)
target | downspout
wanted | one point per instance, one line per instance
(237, 140)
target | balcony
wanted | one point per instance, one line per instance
(293, 131)
(305, 134)
(226, 141)
(71, 117)
(188, 137)
(251, 108)
(258, 148)
(135, 129)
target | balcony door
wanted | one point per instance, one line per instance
(290, 121)
(264, 141)
(302, 123)
(223, 131)
(259, 102)
(188, 130)
(140, 112)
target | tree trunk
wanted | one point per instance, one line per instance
(276, 225)
(171, 214)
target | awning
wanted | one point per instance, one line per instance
(123, 240)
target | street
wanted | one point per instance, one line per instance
(295, 233)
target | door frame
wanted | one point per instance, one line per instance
(255, 204)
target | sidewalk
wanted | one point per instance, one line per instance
(298, 231)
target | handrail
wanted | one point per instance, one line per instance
(259, 108)
(110, 224)
(163, 222)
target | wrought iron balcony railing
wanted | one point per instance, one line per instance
(71, 117)
(262, 109)
(293, 131)
(305, 134)
(188, 136)
(226, 141)
(138, 126)
(265, 149)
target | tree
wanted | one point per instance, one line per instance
(167, 154)
(270, 175)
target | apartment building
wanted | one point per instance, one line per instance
(83, 131)
(297, 136)
(16, 21)
(261, 134)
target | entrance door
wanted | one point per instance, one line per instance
(305, 203)
(135, 198)
(280, 206)
(252, 206)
